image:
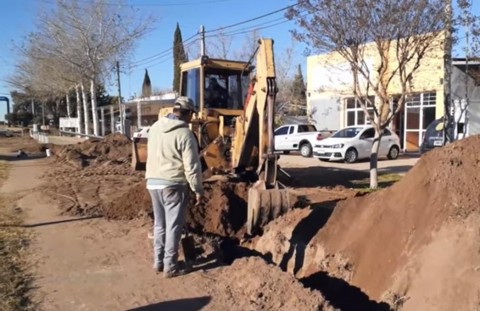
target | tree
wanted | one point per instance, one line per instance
(81, 41)
(179, 57)
(146, 86)
(360, 31)
(299, 99)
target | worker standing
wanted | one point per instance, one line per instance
(173, 164)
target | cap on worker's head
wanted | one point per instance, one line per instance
(185, 103)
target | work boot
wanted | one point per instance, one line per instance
(173, 273)
(158, 267)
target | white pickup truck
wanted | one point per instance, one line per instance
(298, 137)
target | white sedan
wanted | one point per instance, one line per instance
(355, 142)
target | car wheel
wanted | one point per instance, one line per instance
(351, 155)
(306, 150)
(393, 153)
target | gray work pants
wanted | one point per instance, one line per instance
(169, 208)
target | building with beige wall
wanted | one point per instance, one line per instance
(332, 106)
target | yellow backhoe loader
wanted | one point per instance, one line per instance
(234, 127)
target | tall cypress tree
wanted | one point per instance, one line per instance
(298, 92)
(179, 57)
(146, 86)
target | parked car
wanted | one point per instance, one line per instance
(355, 142)
(298, 137)
(6, 133)
(434, 136)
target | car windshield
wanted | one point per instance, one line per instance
(348, 132)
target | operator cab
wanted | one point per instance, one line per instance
(214, 84)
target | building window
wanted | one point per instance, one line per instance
(354, 114)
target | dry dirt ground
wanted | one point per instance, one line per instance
(88, 263)
(411, 246)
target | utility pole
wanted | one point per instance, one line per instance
(120, 108)
(447, 120)
(43, 113)
(202, 40)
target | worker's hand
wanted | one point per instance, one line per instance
(198, 199)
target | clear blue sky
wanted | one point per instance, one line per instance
(18, 20)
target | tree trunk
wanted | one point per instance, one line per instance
(79, 109)
(67, 98)
(93, 95)
(85, 109)
(374, 161)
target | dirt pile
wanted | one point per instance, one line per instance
(414, 244)
(251, 284)
(222, 213)
(224, 210)
(91, 190)
(113, 149)
(133, 203)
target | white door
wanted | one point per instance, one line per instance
(385, 143)
(281, 137)
(365, 143)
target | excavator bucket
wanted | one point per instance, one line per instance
(139, 154)
(265, 205)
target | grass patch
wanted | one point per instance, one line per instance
(15, 280)
(384, 181)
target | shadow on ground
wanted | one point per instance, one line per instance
(320, 176)
(304, 232)
(187, 304)
(342, 295)
(15, 157)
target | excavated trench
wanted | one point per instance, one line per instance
(356, 252)
(218, 223)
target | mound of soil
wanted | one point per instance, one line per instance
(134, 203)
(224, 211)
(414, 244)
(114, 148)
(252, 284)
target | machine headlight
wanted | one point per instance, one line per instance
(338, 146)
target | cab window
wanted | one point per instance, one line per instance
(225, 89)
(282, 131)
(189, 87)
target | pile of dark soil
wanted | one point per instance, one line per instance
(251, 284)
(410, 244)
(132, 204)
(114, 149)
(223, 212)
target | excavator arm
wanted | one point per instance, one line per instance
(253, 143)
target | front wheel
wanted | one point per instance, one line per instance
(393, 153)
(306, 150)
(351, 155)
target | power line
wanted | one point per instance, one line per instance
(253, 28)
(252, 19)
(160, 54)
(149, 4)
(164, 58)
(163, 53)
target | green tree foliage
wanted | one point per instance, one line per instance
(11, 118)
(146, 86)
(179, 57)
(299, 99)
(103, 99)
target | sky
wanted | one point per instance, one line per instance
(18, 19)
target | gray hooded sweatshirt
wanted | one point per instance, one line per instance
(173, 155)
